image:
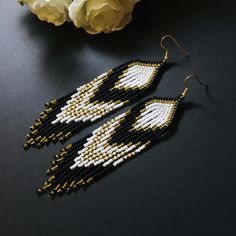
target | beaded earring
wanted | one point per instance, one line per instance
(113, 143)
(114, 89)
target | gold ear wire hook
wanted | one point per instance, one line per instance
(177, 44)
(193, 76)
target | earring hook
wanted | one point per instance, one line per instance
(193, 76)
(177, 44)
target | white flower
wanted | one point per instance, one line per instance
(52, 11)
(97, 16)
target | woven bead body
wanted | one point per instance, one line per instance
(105, 94)
(111, 144)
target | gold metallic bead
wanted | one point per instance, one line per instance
(65, 185)
(42, 113)
(62, 150)
(43, 117)
(54, 168)
(51, 103)
(33, 143)
(53, 162)
(80, 182)
(72, 184)
(89, 180)
(39, 190)
(30, 141)
(59, 160)
(34, 132)
(59, 190)
(61, 139)
(42, 140)
(57, 156)
(28, 136)
(38, 138)
(38, 124)
(52, 193)
(32, 128)
(47, 104)
(51, 178)
(26, 146)
(68, 189)
(59, 135)
(51, 136)
(68, 147)
(45, 140)
(68, 135)
(39, 145)
(46, 186)
(49, 110)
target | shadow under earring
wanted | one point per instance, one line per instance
(105, 94)
(113, 143)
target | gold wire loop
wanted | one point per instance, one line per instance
(177, 44)
(193, 76)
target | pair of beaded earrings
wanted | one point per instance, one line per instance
(116, 141)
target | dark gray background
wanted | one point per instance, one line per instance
(185, 185)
